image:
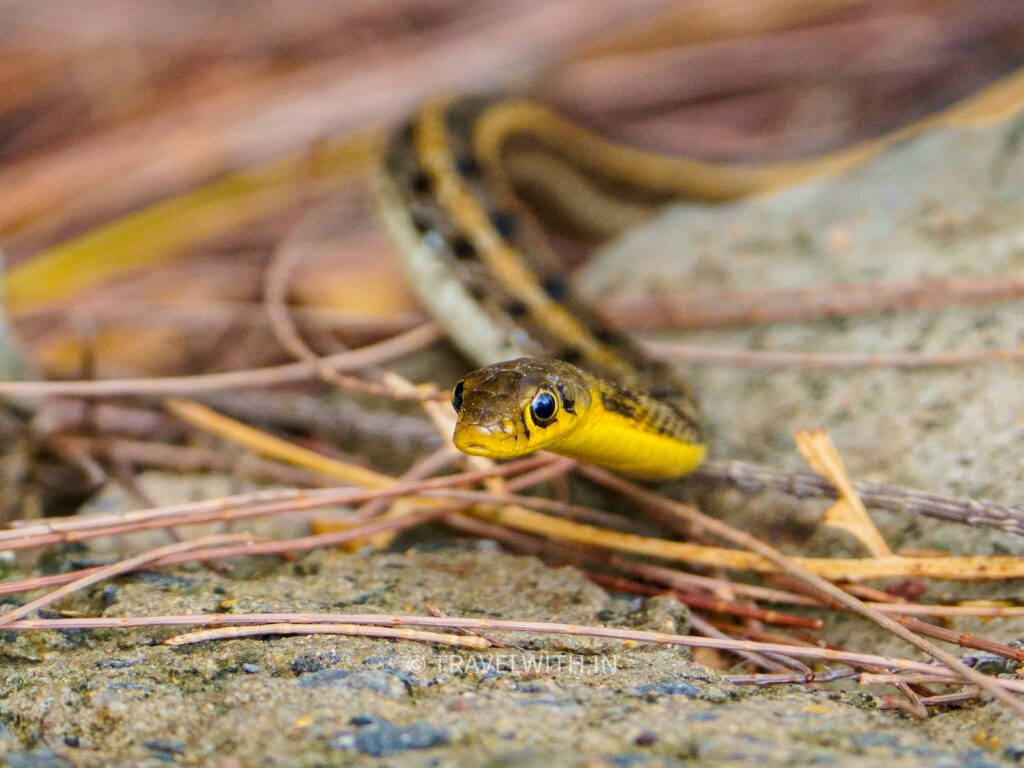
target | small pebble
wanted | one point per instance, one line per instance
(172, 746)
(669, 687)
(366, 718)
(37, 758)
(377, 737)
(1015, 753)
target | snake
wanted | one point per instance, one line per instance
(452, 188)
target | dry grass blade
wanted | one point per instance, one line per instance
(950, 611)
(968, 567)
(848, 513)
(202, 417)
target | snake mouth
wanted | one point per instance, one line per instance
(465, 442)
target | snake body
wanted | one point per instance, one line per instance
(449, 193)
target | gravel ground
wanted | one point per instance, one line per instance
(120, 698)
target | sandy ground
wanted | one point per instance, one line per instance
(120, 698)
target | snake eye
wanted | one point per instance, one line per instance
(543, 408)
(457, 397)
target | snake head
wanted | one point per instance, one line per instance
(518, 406)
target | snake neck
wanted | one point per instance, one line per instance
(450, 192)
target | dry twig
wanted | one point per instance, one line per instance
(795, 569)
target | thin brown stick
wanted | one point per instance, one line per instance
(775, 662)
(711, 604)
(346, 420)
(751, 477)
(373, 354)
(607, 520)
(492, 625)
(963, 639)
(275, 288)
(124, 566)
(911, 703)
(871, 595)
(435, 611)
(237, 508)
(816, 302)
(825, 587)
(558, 469)
(689, 581)
(251, 547)
(834, 361)
(396, 633)
(513, 540)
(182, 458)
(752, 632)
(275, 291)
(308, 500)
(334, 538)
(912, 678)
(950, 611)
(790, 679)
(26, 528)
(426, 467)
(201, 316)
(945, 699)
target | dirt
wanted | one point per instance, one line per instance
(122, 698)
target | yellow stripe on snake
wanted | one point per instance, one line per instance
(450, 191)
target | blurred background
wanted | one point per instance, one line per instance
(155, 155)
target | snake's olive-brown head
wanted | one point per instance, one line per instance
(518, 406)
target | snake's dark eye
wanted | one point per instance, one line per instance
(543, 408)
(457, 397)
